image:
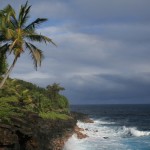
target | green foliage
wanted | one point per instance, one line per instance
(8, 99)
(62, 102)
(7, 108)
(3, 63)
(54, 116)
(53, 90)
(18, 96)
(40, 103)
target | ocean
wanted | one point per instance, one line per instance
(115, 127)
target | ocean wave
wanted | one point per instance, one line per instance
(73, 143)
(132, 131)
(101, 129)
(102, 122)
(102, 136)
(96, 129)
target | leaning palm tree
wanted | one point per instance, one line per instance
(16, 36)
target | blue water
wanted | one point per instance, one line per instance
(118, 127)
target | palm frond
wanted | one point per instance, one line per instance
(9, 12)
(3, 38)
(8, 33)
(4, 48)
(14, 23)
(6, 16)
(35, 23)
(24, 14)
(2, 16)
(39, 38)
(36, 54)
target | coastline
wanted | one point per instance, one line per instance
(35, 133)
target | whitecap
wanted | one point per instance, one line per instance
(101, 136)
(132, 131)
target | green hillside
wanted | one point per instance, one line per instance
(19, 97)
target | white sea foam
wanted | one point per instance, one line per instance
(134, 132)
(93, 144)
(103, 136)
(102, 122)
(73, 143)
(99, 129)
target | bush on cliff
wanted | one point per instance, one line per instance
(19, 96)
(7, 108)
(54, 115)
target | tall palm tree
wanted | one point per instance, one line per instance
(16, 36)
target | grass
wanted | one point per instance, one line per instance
(7, 109)
(54, 116)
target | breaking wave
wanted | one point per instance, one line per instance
(103, 135)
(132, 131)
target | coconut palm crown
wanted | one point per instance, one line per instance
(16, 36)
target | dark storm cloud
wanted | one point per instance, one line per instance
(103, 53)
(109, 88)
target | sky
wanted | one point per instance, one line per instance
(103, 49)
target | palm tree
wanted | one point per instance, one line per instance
(16, 36)
(53, 90)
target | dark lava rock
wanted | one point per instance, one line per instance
(82, 117)
(35, 133)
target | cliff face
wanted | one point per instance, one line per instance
(34, 133)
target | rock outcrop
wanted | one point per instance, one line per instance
(79, 133)
(35, 133)
(82, 117)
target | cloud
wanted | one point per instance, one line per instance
(32, 76)
(103, 49)
(112, 88)
(85, 63)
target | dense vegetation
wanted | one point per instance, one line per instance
(19, 97)
(3, 63)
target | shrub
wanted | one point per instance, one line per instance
(54, 116)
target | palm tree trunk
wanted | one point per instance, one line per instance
(8, 72)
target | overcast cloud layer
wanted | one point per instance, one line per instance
(103, 53)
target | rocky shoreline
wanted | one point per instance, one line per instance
(35, 133)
